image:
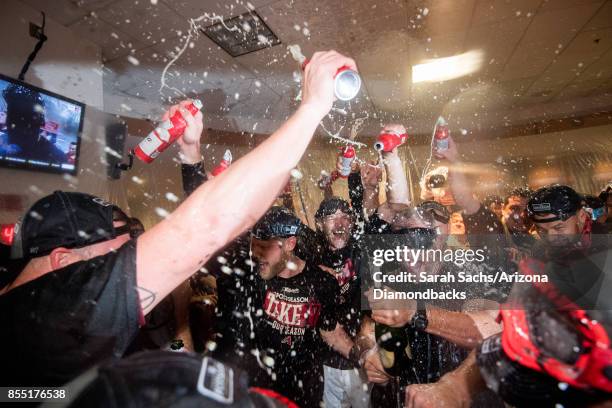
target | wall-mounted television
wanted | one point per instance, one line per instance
(39, 130)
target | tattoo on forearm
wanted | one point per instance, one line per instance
(147, 298)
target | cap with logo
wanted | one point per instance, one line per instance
(65, 219)
(154, 378)
(278, 222)
(557, 200)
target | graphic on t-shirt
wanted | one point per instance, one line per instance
(346, 275)
(292, 314)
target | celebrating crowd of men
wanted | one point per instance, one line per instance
(274, 313)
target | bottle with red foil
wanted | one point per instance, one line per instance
(441, 134)
(225, 163)
(345, 160)
(165, 134)
(389, 140)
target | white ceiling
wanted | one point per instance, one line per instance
(542, 58)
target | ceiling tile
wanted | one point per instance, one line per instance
(225, 9)
(124, 73)
(558, 74)
(491, 11)
(143, 20)
(387, 28)
(67, 12)
(517, 87)
(441, 17)
(564, 4)
(435, 47)
(593, 43)
(114, 43)
(581, 89)
(312, 25)
(579, 54)
(257, 91)
(547, 35)
(497, 41)
(357, 12)
(603, 18)
(600, 69)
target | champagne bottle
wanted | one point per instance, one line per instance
(394, 349)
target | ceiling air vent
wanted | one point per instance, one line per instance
(241, 35)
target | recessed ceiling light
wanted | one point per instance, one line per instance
(444, 69)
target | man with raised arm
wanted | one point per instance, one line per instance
(86, 285)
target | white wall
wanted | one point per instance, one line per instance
(70, 66)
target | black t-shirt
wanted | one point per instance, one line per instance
(346, 263)
(58, 325)
(290, 312)
(237, 288)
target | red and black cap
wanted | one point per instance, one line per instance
(65, 219)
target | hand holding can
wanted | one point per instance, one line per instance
(319, 80)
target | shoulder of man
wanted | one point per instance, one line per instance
(483, 221)
(323, 282)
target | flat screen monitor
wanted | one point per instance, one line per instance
(39, 130)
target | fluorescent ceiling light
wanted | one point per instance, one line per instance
(444, 69)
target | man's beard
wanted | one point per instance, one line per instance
(561, 245)
(516, 226)
(337, 239)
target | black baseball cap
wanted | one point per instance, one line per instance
(558, 200)
(593, 202)
(330, 205)
(278, 222)
(166, 378)
(68, 220)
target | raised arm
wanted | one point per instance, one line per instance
(398, 191)
(193, 174)
(368, 179)
(227, 205)
(458, 181)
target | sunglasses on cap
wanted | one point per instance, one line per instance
(132, 226)
(435, 210)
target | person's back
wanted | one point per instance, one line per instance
(145, 271)
(59, 324)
